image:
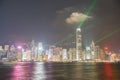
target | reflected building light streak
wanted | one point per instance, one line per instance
(108, 71)
(93, 74)
(22, 71)
(18, 72)
(39, 71)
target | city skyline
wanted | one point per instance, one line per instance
(46, 20)
(59, 39)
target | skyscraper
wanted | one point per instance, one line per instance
(79, 55)
(40, 51)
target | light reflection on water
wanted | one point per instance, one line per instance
(39, 72)
(60, 71)
(22, 71)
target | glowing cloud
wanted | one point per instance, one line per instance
(76, 17)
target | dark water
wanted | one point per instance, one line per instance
(60, 71)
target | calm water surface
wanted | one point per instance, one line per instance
(60, 71)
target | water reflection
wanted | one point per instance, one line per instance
(81, 71)
(22, 71)
(60, 71)
(39, 72)
(108, 71)
(111, 71)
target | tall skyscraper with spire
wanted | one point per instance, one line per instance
(79, 55)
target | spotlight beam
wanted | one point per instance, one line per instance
(87, 12)
(107, 36)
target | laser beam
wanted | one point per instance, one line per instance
(87, 12)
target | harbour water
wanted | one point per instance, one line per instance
(60, 71)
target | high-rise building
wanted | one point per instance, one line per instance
(33, 54)
(64, 54)
(79, 55)
(1, 52)
(6, 47)
(1, 48)
(72, 54)
(12, 54)
(40, 50)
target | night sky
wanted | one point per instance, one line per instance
(45, 20)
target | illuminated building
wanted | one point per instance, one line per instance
(92, 48)
(12, 54)
(6, 47)
(50, 54)
(97, 52)
(12, 48)
(1, 48)
(88, 55)
(79, 55)
(33, 52)
(19, 53)
(102, 54)
(26, 55)
(1, 52)
(64, 54)
(19, 56)
(72, 54)
(113, 57)
(40, 50)
(57, 54)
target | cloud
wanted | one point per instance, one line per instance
(76, 17)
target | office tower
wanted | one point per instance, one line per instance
(79, 55)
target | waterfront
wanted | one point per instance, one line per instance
(60, 71)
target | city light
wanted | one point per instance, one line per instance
(59, 40)
(35, 51)
(106, 48)
(78, 29)
(19, 47)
